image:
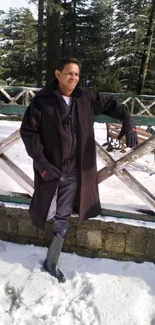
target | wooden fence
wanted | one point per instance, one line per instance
(112, 167)
(14, 99)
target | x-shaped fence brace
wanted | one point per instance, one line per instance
(112, 167)
(118, 168)
(10, 168)
(13, 100)
(146, 108)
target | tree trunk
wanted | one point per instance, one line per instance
(63, 31)
(147, 50)
(40, 44)
(53, 37)
(73, 34)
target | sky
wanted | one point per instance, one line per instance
(97, 291)
(6, 4)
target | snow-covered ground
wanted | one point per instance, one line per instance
(97, 291)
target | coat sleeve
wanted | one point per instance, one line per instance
(30, 134)
(103, 104)
(109, 105)
(29, 131)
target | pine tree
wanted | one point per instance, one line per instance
(86, 34)
(147, 50)
(40, 30)
(98, 42)
(2, 45)
(130, 27)
(19, 29)
(53, 10)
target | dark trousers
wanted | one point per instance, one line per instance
(63, 202)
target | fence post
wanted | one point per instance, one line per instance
(132, 105)
(27, 98)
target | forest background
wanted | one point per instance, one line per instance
(113, 40)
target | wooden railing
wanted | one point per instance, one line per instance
(16, 105)
(13, 100)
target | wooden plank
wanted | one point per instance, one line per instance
(135, 153)
(128, 215)
(26, 98)
(146, 108)
(126, 100)
(120, 95)
(128, 179)
(103, 155)
(151, 105)
(13, 197)
(32, 93)
(137, 188)
(12, 109)
(9, 141)
(16, 174)
(141, 134)
(117, 127)
(20, 88)
(113, 130)
(19, 95)
(11, 118)
(125, 95)
(19, 198)
(139, 119)
(4, 92)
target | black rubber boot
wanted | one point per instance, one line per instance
(51, 261)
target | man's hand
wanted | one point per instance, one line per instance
(46, 170)
(129, 130)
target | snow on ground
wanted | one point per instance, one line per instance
(97, 291)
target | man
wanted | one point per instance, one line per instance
(57, 130)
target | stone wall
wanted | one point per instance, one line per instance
(92, 238)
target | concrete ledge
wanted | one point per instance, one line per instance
(92, 238)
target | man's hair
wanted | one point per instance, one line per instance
(63, 61)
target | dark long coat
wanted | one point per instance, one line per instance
(41, 131)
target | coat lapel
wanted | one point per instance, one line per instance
(54, 115)
(50, 102)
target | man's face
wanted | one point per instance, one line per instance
(68, 77)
